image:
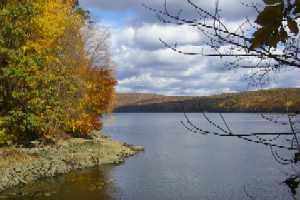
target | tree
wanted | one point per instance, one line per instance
(96, 92)
(49, 84)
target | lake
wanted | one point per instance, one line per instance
(178, 164)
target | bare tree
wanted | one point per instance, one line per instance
(273, 45)
(270, 43)
(267, 44)
(97, 39)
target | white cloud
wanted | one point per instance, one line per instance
(145, 65)
(147, 36)
(147, 80)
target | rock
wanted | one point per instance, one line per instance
(137, 148)
(47, 161)
(35, 143)
(133, 147)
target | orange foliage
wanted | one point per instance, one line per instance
(97, 98)
(49, 84)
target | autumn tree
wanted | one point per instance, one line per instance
(48, 81)
(97, 94)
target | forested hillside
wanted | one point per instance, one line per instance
(49, 84)
(273, 100)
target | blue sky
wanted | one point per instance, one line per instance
(114, 19)
(143, 64)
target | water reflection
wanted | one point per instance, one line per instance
(181, 165)
(93, 184)
(176, 165)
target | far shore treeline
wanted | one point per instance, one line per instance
(50, 87)
(272, 100)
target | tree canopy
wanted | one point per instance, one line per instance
(49, 85)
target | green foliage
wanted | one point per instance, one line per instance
(4, 138)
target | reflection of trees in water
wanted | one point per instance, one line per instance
(86, 184)
(284, 146)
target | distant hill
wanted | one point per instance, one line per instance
(273, 100)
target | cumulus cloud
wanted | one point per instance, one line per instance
(147, 36)
(144, 64)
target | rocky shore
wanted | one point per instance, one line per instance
(24, 165)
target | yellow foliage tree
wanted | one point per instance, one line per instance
(48, 82)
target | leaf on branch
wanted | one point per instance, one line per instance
(283, 35)
(271, 15)
(293, 26)
(270, 20)
(273, 39)
(260, 37)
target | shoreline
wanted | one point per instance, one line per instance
(19, 166)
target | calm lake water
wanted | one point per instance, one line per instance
(176, 164)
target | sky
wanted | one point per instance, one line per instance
(144, 64)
